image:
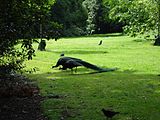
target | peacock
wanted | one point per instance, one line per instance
(70, 62)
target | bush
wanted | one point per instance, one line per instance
(74, 31)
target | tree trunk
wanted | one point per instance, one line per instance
(42, 45)
(157, 41)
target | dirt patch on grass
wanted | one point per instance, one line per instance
(19, 99)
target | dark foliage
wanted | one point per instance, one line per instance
(20, 21)
(72, 15)
(19, 99)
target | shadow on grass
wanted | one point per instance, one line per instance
(101, 35)
(85, 71)
(82, 71)
(79, 52)
(106, 35)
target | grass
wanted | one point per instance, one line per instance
(133, 90)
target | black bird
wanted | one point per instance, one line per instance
(100, 42)
(71, 64)
(62, 54)
(109, 113)
(75, 62)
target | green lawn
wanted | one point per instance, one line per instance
(133, 90)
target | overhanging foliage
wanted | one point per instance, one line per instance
(19, 21)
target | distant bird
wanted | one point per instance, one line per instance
(70, 62)
(62, 54)
(109, 113)
(100, 42)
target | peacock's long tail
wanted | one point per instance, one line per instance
(94, 67)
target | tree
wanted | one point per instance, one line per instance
(18, 19)
(49, 30)
(103, 22)
(140, 16)
(71, 15)
(92, 7)
(157, 41)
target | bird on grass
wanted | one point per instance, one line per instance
(62, 54)
(100, 42)
(109, 113)
(70, 62)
